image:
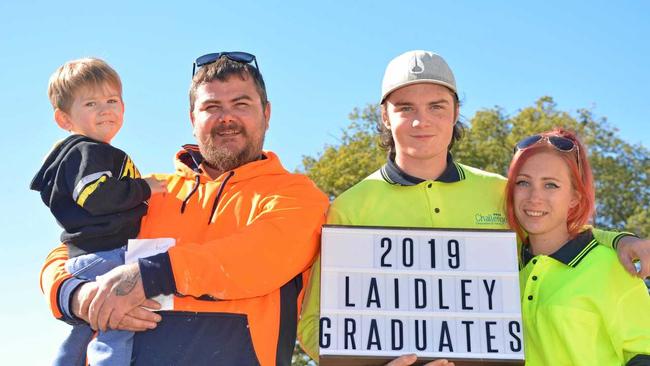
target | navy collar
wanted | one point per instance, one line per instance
(571, 253)
(394, 175)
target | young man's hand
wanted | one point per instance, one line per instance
(410, 359)
(631, 248)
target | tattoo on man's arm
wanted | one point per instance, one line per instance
(127, 284)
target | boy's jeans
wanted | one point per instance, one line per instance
(108, 348)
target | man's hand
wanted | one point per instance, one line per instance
(631, 248)
(136, 320)
(140, 319)
(119, 292)
(410, 359)
(81, 299)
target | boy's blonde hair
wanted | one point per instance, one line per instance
(77, 74)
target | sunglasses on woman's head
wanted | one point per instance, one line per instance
(560, 143)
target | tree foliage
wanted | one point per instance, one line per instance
(621, 170)
(357, 155)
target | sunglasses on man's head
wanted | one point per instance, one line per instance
(243, 57)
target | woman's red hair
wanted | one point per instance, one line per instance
(581, 179)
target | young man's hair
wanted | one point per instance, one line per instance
(581, 180)
(222, 70)
(387, 142)
(75, 75)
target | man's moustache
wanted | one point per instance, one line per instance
(231, 128)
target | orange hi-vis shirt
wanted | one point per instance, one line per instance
(244, 245)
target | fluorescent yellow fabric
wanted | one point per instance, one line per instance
(587, 311)
(474, 201)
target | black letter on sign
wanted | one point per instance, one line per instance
(445, 338)
(490, 290)
(325, 337)
(465, 294)
(420, 302)
(453, 249)
(516, 345)
(423, 346)
(396, 282)
(407, 252)
(400, 327)
(373, 293)
(440, 304)
(385, 242)
(350, 329)
(489, 337)
(373, 336)
(347, 292)
(432, 242)
(468, 334)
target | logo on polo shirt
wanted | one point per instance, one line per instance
(495, 218)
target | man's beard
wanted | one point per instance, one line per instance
(222, 158)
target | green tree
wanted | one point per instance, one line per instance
(621, 170)
(357, 155)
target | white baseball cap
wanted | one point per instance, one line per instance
(415, 67)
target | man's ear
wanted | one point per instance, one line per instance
(267, 114)
(384, 117)
(192, 118)
(62, 119)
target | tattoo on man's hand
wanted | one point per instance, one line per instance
(127, 284)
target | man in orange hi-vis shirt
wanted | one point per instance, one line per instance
(246, 232)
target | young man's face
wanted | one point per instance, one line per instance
(229, 122)
(96, 112)
(421, 118)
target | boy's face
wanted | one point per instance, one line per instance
(96, 112)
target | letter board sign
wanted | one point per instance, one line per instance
(438, 293)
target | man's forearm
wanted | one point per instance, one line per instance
(610, 238)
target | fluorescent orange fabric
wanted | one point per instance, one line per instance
(265, 230)
(52, 275)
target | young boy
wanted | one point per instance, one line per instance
(94, 191)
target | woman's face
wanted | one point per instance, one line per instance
(543, 196)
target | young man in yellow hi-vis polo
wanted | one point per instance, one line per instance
(421, 185)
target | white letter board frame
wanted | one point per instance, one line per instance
(455, 292)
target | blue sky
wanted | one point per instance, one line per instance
(319, 61)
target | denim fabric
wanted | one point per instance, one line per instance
(108, 348)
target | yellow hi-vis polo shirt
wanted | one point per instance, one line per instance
(580, 307)
(461, 198)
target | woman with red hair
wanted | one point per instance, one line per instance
(579, 306)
